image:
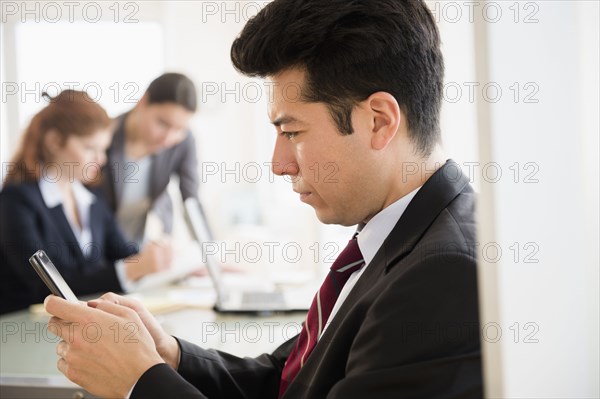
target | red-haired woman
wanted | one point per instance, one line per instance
(46, 205)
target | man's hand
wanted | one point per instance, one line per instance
(166, 346)
(105, 350)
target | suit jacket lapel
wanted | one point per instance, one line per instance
(435, 195)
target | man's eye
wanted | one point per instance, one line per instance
(289, 135)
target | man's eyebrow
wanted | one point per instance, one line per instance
(284, 119)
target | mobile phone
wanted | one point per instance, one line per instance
(51, 277)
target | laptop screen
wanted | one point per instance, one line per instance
(199, 227)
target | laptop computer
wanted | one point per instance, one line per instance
(236, 300)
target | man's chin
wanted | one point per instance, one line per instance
(324, 217)
(329, 218)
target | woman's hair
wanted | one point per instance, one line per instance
(173, 88)
(71, 113)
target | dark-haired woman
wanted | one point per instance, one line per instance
(151, 144)
(45, 205)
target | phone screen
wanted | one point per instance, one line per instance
(51, 277)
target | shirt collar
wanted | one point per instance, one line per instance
(53, 197)
(373, 234)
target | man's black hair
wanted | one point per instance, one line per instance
(350, 49)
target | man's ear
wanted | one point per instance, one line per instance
(386, 118)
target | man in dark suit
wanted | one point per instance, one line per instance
(356, 88)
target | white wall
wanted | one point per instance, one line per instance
(459, 116)
(553, 214)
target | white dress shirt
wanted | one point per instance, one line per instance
(84, 199)
(135, 201)
(370, 239)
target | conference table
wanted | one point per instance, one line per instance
(28, 350)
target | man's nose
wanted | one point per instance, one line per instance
(284, 160)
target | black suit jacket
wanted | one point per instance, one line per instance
(28, 225)
(409, 327)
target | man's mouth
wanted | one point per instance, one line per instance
(304, 195)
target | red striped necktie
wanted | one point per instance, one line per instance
(348, 261)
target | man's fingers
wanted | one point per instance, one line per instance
(122, 300)
(58, 322)
(64, 309)
(112, 297)
(109, 297)
(61, 349)
(62, 329)
(62, 366)
(94, 302)
(58, 327)
(117, 310)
